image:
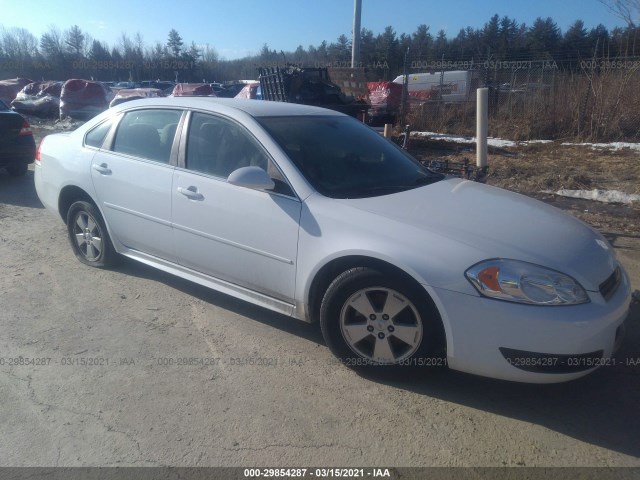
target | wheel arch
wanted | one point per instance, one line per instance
(69, 195)
(333, 268)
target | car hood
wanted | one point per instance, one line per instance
(497, 223)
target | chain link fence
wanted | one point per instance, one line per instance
(593, 100)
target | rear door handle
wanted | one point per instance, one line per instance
(191, 192)
(103, 168)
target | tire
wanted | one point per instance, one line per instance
(88, 235)
(374, 320)
(17, 169)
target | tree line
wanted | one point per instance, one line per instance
(73, 53)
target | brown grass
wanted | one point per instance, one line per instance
(594, 106)
(534, 169)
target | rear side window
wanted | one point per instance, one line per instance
(96, 136)
(147, 134)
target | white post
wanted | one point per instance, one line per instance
(388, 127)
(482, 126)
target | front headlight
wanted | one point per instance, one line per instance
(523, 282)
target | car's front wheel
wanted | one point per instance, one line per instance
(88, 235)
(369, 318)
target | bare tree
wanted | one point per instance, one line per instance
(627, 10)
(210, 55)
(51, 43)
(138, 42)
(157, 52)
(126, 44)
(88, 42)
(18, 43)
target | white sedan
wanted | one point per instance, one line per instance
(310, 213)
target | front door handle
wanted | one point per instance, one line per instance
(103, 168)
(191, 192)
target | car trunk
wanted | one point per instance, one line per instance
(10, 126)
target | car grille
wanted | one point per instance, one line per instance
(610, 285)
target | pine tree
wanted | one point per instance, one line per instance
(544, 38)
(174, 43)
(74, 40)
(421, 42)
(575, 43)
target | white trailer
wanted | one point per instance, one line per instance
(453, 86)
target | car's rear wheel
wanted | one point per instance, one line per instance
(17, 169)
(369, 318)
(88, 235)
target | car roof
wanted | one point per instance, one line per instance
(255, 108)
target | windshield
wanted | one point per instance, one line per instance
(342, 158)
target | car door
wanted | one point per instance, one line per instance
(243, 236)
(132, 177)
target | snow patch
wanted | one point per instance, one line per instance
(492, 142)
(606, 196)
(531, 142)
(502, 143)
(615, 146)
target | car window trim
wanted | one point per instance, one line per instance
(107, 144)
(111, 119)
(181, 163)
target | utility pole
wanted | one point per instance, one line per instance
(355, 44)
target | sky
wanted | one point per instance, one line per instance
(239, 28)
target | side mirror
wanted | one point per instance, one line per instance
(251, 177)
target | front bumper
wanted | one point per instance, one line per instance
(528, 343)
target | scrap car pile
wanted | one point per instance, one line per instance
(343, 89)
(81, 99)
(39, 98)
(75, 98)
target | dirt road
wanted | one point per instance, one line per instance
(134, 367)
